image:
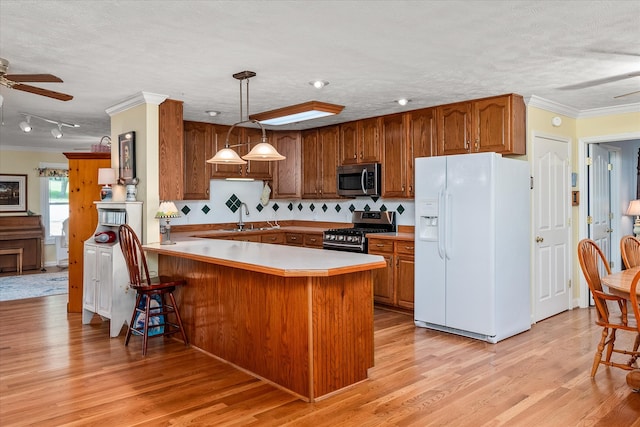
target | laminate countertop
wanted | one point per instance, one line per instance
(279, 260)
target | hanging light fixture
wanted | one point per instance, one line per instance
(261, 152)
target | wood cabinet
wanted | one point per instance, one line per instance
(170, 150)
(287, 174)
(421, 139)
(198, 147)
(383, 286)
(394, 157)
(105, 276)
(313, 240)
(83, 216)
(404, 274)
(394, 285)
(495, 124)
(360, 141)
(294, 239)
(319, 163)
(275, 239)
(405, 137)
(242, 140)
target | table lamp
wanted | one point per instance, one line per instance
(166, 211)
(634, 210)
(106, 177)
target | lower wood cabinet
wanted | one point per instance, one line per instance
(394, 285)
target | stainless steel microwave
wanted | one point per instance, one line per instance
(359, 180)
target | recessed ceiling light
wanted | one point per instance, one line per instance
(212, 113)
(403, 101)
(319, 84)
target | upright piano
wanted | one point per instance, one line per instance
(26, 232)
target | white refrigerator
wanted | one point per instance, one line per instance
(472, 245)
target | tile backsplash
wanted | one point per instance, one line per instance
(226, 196)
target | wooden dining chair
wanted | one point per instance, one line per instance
(630, 250)
(592, 260)
(151, 313)
(633, 377)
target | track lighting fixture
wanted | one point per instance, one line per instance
(26, 125)
(57, 133)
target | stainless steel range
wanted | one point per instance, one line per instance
(364, 222)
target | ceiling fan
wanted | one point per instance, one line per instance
(16, 81)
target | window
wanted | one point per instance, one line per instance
(54, 200)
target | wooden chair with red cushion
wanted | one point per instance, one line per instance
(630, 250)
(633, 377)
(149, 290)
(592, 262)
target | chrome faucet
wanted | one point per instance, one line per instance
(241, 223)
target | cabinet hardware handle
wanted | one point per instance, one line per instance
(466, 145)
(355, 155)
(477, 144)
(313, 239)
(380, 245)
(293, 238)
(411, 189)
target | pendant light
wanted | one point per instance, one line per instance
(261, 152)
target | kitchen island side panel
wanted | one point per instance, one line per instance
(273, 326)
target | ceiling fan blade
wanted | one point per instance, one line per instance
(43, 92)
(627, 94)
(42, 78)
(602, 81)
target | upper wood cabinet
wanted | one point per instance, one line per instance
(320, 162)
(170, 147)
(495, 124)
(198, 147)
(421, 141)
(405, 137)
(245, 139)
(360, 141)
(287, 174)
(394, 157)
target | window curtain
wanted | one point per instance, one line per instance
(53, 173)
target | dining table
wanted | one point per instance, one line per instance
(620, 283)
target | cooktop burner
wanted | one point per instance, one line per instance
(353, 239)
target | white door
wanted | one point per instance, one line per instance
(551, 219)
(599, 197)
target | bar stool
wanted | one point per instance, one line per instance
(148, 291)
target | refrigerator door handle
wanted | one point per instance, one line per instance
(448, 250)
(441, 211)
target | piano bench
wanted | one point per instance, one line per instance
(18, 253)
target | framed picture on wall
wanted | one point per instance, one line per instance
(13, 193)
(127, 146)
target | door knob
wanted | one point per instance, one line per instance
(539, 239)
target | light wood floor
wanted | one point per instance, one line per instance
(55, 371)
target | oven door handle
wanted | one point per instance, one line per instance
(362, 178)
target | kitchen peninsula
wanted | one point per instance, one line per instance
(298, 317)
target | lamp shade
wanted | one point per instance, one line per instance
(263, 151)
(634, 208)
(167, 210)
(227, 156)
(106, 176)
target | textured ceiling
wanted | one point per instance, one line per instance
(371, 52)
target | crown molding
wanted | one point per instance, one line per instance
(554, 107)
(607, 111)
(136, 100)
